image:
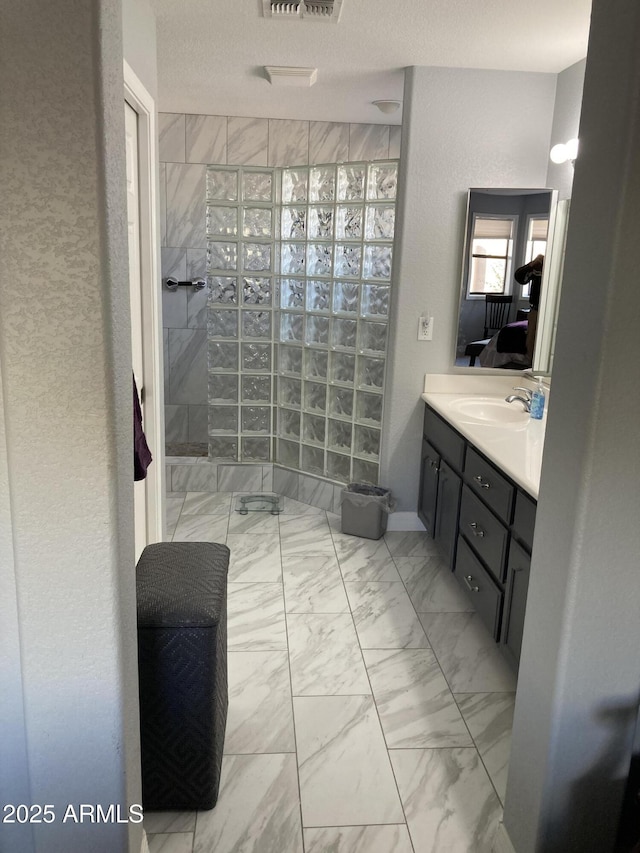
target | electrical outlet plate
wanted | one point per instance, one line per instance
(425, 328)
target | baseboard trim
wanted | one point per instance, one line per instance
(502, 842)
(404, 521)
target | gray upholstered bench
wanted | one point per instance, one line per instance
(182, 661)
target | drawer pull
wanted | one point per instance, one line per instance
(477, 531)
(479, 481)
(468, 579)
(434, 465)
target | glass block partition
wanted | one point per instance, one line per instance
(300, 260)
(241, 227)
(336, 247)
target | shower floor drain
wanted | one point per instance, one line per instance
(259, 503)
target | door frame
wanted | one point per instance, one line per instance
(137, 96)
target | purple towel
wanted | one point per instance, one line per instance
(141, 453)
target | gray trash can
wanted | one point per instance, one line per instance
(365, 509)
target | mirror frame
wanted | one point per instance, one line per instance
(550, 288)
(550, 291)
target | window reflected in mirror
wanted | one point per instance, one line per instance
(491, 253)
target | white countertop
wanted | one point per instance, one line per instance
(515, 448)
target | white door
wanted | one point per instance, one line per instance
(135, 292)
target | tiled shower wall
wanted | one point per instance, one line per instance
(187, 144)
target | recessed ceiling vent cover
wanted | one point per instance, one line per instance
(310, 10)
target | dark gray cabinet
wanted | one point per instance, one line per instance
(429, 487)
(485, 517)
(485, 595)
(449, 490)
(489, 484)
(483, 523)
(515, 601)
(441, 483)
(487, 535)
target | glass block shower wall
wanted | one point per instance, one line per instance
(335, 272)
(308, 269)
(241, 214)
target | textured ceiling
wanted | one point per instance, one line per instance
(211, 53)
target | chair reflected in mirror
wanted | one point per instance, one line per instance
(496, 312)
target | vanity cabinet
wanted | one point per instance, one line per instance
(446, 531)
(515, 601)
(430, 467)
(441, 482)
(485, 595)
(487, 535)
(483, 523)
(517, 580)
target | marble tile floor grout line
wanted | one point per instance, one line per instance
(293, 715)
(380, 723)
(460, 693)
(333, 535)
(454, 694)
(344, 727)
(473, 740)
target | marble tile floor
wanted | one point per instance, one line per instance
(369, 711)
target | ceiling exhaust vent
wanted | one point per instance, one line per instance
(310, 10)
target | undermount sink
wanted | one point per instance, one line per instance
(488, 410)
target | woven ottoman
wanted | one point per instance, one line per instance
(182, 662)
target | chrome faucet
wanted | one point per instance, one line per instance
(526, 400)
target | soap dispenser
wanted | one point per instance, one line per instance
(537, 401)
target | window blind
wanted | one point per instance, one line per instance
(493, 229)
(539, 229)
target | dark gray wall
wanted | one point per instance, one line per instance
(579, 678)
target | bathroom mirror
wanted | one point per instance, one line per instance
(503, 323)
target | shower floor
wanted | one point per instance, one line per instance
(194, 448)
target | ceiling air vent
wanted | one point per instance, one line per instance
(310, 10)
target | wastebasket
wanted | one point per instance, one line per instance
(365, 509)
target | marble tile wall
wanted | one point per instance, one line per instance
(187, 143)
(243, 141)
(189, 474)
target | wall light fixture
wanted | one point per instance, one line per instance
(564, 151)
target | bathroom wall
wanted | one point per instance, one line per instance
(577, 701)
(462, 128)
(187, 143)
(68, 680)
(566, 120)
(139, 42)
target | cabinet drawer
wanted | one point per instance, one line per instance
(486, 535)
(446, 439)
(482, 591)
(524, 519)
(487, 482)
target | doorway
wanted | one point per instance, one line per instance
(146, 328)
